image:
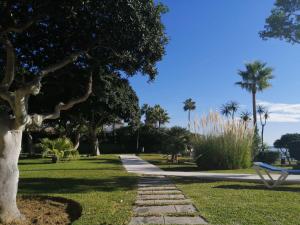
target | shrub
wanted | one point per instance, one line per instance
(58, 149)
(269, 157)
(177, 141)
(222, 144)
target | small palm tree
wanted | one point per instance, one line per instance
(245, 117)
(189, 105)
(229, 109)
(233, 108)
(225, 111)
(60, 148)
(263, 117)
(255, 78)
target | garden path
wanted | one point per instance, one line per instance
(135, 164)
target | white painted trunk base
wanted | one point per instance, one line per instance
(10, 147)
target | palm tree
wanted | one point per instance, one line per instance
(161, 116)
(233, 108)
(263, 117)
(225, 110)
(229, 109)
(189, 105)
(255, 78)
(245, 116)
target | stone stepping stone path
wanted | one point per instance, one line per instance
(160, 202)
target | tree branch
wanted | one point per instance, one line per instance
(37, 119)
(10, 64)
(61, 64)
(21, 28)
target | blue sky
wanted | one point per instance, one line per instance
(209, 41)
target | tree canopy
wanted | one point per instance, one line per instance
(284, 21)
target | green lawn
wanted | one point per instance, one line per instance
(186, 164)
(105, 191)
(240, 203)
(235, 203)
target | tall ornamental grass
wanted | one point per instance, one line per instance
(220, 143)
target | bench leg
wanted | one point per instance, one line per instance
(272, 183)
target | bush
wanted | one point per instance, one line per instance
(269, 157)
(222, 144)
(58, 149)
(177, 141)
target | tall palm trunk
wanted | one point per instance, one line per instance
(189, 118)
(262, 137)
(254, 108)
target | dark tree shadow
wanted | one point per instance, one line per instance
(71, 169)
(259, 187)
(46, 185)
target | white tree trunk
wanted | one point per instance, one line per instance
(10, 148)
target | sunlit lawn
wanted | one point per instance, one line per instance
(105, 191)
(233, 203)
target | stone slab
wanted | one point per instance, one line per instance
(185, 208)
(159, 210)
(159, 192)
(163, 202)
(183, 220)
(172, 201)
(158, 197)
(157, 188)
(146, 220)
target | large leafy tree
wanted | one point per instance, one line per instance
(284, 21)
(255, 78)
(283, 144)
(59, 37)
(112, 99)
(189, 105)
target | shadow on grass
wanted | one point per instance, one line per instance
(45, 185)
(192, 180)
(35, 162)
(260, 187)
(71, 169)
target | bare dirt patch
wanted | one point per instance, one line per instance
(48, 210)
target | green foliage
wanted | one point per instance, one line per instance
(294, 149)
(155, 116)
(284, 22)
(177, 140)
(222, 144)
(269, 157)
(152, 139)
(285, 143)
(59, 149)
